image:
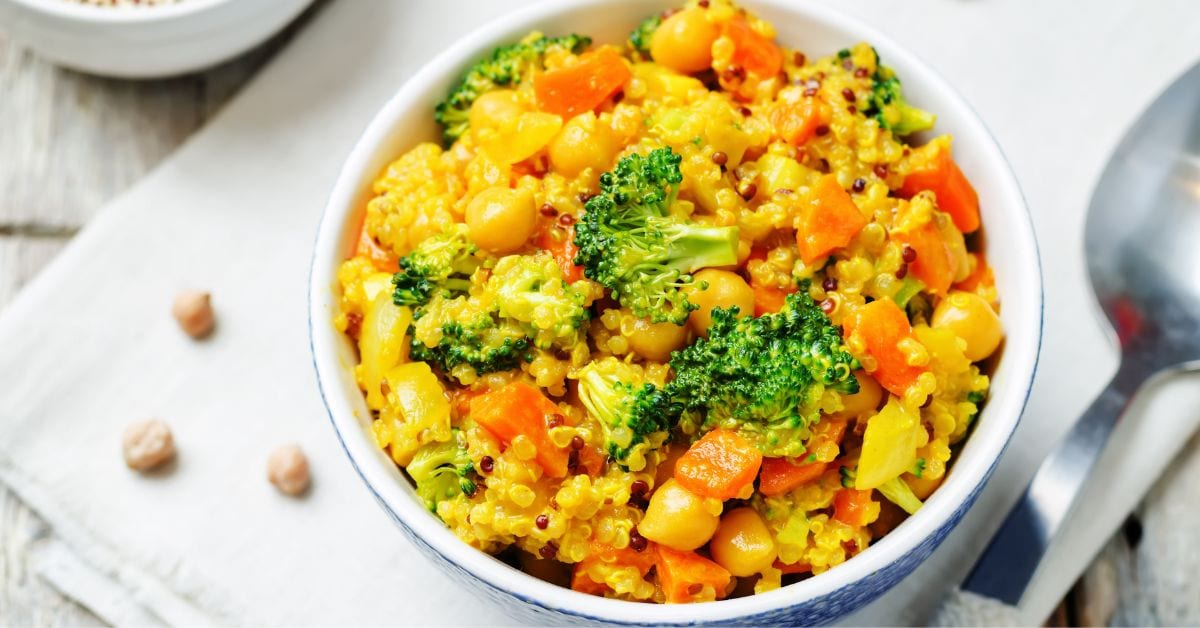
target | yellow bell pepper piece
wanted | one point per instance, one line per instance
(416, 411)
(381, 343)
(889, 445)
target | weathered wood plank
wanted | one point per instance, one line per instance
(70, 142)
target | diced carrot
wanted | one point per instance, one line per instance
(769, 299)
(850, 506)
(829, 221)
(752, 52)
(981, 276)
(560, 242)
(797, 567)
(780, 475)
(936, 264)
(882, 325)
(602, 553)
(519, 409)
(718, 465)
(681, 573)
(581, 87)
(591, 460)
(955, 194)
(796, 123)
(366, 246)
(460, 400)
(583, 583)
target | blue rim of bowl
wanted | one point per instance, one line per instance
(935, 536)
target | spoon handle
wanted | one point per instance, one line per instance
(1012, 557)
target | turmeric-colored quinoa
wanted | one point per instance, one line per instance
(675, 319)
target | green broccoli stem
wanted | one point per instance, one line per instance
(898, 492)
(912, 119)
(690, 247)
(457, 285)
(600, 396)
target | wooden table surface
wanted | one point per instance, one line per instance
(69, 143)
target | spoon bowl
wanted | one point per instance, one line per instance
(1142, 242)
(1143, 231)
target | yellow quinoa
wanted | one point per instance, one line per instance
(495, 355)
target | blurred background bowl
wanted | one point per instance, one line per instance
(141, 42)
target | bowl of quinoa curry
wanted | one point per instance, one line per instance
(676, 313)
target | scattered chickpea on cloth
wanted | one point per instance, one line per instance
(147, 444)
(287, 468)
(194, 312)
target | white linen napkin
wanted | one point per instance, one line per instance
(89, 345)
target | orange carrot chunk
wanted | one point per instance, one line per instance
(519, 409)
(850, 506)
(796, 123)
(829, 221)
(718, 465)
(935, 265)
(560, 242)
(581, 87)
(605, 554)
(752, 52)
(981, 276)
(383, 259)
(955, 194)
(882, 325)
(780, 475)
(768, 299)
(683, 574)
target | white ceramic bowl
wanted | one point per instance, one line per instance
(147, 41)
(408, 118)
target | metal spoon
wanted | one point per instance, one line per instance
(1142, 242)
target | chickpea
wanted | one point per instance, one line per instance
(865, 400)
(194, 312)
(287, 468)
(654, 341)
(725, 289)
(972, 319)
(583, 142)
(494, 108)
(501, 219)
(147, 444)
(678, 518)
(742, 543)
(683, 42)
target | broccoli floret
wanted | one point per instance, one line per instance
(634, 414)
(629, 242)
(507, 65)
(524, 304)
(442, 262)
(887, 104)
(764, 377)
(531, 289)
(467, 335)
(640, 38)
(898, 492)
(442, 470)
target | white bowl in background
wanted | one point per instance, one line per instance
(818, 30)
(143, 42)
